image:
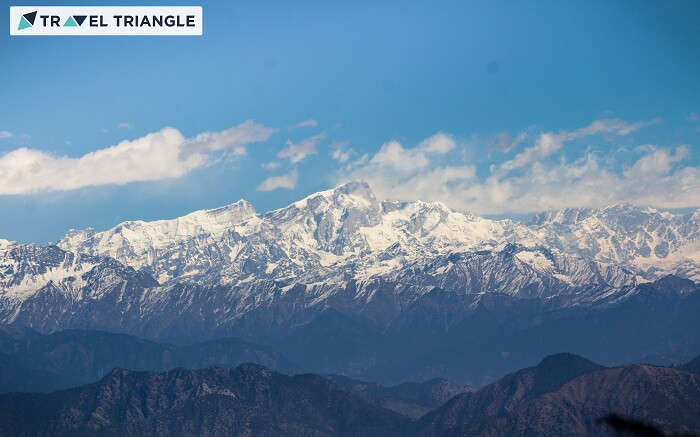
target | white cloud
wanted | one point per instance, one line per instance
(306, 123)
(549, 142)
(159, 155)
(124, 125)
(270, 165)
(296, 152)
(5, 134)
(546, 144)
(657, 178)
(434, 184)
(340, 151)
(287, 181)
(438, 143)
(392, 155)
(233, 139)
(645, 148)
(400, 173)
(340, 155)
(652, 180)
(656, 162)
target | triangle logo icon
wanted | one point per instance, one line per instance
(70, 22)
(79, 19)
(31, 16)
(23, 23)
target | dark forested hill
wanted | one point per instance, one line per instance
(247, 401)
(566, 395)
(563, 395)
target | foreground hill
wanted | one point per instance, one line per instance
(567, 395)
(245, 401)
(563, 395)
(510, 391)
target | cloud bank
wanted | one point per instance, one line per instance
(159, 155)
(540, 177)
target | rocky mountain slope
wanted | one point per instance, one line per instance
(653, 242)
(505, 395)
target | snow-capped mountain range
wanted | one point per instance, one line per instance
(347, 229)
(344, 248)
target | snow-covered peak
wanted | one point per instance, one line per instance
(352, 195)
(625, 214)
(328, 220)
(623, 234)
(26, 268)
(5, 243)
(140, 238)
(565, 216)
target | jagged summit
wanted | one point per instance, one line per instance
(352, 195)
(359, 188)
(134, 242)
(643, 237)
(235, 212)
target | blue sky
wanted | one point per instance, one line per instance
(501, 108)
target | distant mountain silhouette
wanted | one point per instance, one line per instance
(31, 361)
